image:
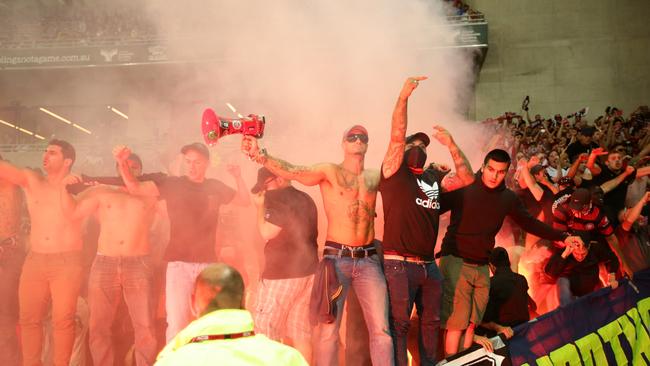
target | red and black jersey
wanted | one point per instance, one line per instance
(588, 226)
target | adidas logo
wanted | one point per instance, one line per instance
(432, 192)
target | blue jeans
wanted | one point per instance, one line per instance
(367, 279)
(410, 283)
(110, 279)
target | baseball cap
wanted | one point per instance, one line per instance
(580, 198)
(587, 131)
(198, 147)
(419, 136)
(355, 130)
(263, 174)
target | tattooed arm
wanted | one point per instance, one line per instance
(464, 175)
(307, 175)
(395, 154)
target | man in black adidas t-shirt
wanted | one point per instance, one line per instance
(411, 208)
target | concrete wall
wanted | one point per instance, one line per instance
(565, 55)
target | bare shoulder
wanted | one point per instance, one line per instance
(371, 178)
(94, 191)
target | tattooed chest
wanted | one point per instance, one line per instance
(355, 185)
(361, 211)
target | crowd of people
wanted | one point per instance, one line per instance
(72, 22)
(561, 220)
(85, 24)
(585, 176)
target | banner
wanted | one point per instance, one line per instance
(607, 327)
(107, 55)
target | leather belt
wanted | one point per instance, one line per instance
(410, 259)
(346, 252)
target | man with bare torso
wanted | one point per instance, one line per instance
(193, 203)
(349, 194)
(122, 267)
(11, 260)
(53, 268)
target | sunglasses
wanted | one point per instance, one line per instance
(353, 137)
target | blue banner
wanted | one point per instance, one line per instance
(607, 327)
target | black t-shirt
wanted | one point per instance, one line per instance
(576, 148)
(477, 214)
(411, 211)
(294, 252)
(508, 301)
(614, 199)
(193, 210)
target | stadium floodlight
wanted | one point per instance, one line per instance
(118, 112)
(25, 131)
(55, 115)
(62, 119)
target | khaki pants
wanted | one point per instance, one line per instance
(465, 292)
(49, 278)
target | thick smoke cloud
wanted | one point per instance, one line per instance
(315, 68)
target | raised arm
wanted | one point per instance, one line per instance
(526, 179)
(307, 175)
(633, 213)
(13, 174)
(463, 175)
(613, 183)
(147, 188)
(591, 160)
(395, 154)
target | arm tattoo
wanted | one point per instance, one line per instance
(393, 158)
(395, 153)
(286, 169)
(464, 175)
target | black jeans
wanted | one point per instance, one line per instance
(420, 284)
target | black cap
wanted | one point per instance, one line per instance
(419, 136)
(263, 175)
(587, 131)
(580, 198)
(198, 147)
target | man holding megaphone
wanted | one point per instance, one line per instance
(349, 193)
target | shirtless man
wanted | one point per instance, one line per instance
(193, 203)
(349, 194)
(122, 267)
(11, 261)
(53, 267)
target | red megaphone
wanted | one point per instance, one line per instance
(214, 127)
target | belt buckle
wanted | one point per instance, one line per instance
(343, 251)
